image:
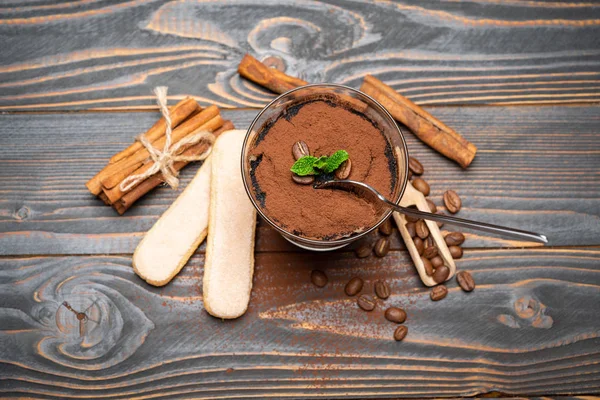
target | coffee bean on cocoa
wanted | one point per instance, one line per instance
(382, 290)
(366, 302)
(300, 149)
(452, 201)
(343, 171)
(395, 314)
(419, 245)
(439, 224)
(303, 180)
(438, 293)
(421, 229)
(437, 261)
(427, 265)
(430, 252)
(441, 274)
(421, 186)
(431, 205)
(465, 281)
(454, 239)
(456, 251)
(415, 166)
(382, 247)
(400, 333)
(386, 227)
(363, 250)
(410, 227)
(354, 286)
(318, 278)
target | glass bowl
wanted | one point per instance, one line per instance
(369, 107)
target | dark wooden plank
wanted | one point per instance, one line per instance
(530, 328)
(537, 169)
(108, 54)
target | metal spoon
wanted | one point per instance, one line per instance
(368, 192)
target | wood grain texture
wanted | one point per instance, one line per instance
(537, 169)
(530, 327)
(89, 54)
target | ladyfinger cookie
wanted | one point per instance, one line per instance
(229, 264)
(173, 239)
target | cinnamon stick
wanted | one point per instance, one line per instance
(114, 173)
(129, 198)
(425, 126)
(278, 82)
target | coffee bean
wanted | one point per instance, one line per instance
(410, 227)
(382, 246)
(318, 278)
(430, 252)
(437, 261)
(456, 251)
(300, 149)
(386, 227)
(428, 241)
(410, 175)
(441, 274)
(465, 281)
(419, 245)
(427, 265)
(354, 286)
(343, 171)
(366, 302)
(395, 314)
(452, 201)
(415, 166)
(303, 180)
(363, 250)
(439, 224)
(438, 293)
(382, 290)
(431, 205)
(454, 239)
(421, 229)
(421, 186)
(411, 218)
(400, 333)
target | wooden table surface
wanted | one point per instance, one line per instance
(519, 78)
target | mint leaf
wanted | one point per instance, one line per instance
(335, 160)
(321, 162)
(304, 166)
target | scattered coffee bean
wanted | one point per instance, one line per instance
(419, 245)
(437, 261)
(452, 201)
(465, 281)
(303, 180)
(366, 302)
(382, 247)
(300, 149)
(421, 229)
(343, 171)
(415, 166)
(318, 278)
(427, 265)
(354, 286)
(454, 239)
(456, 251)
(439, 224)
(431, 205)
(410, 227)
(400, 333)
(438, 292)
(363, 250)
(430, 252)
(421, 186)
(441, 274)
(382, 290)
(410, 218)
(395, 314)
(386, 227)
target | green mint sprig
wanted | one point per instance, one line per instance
(309, 165)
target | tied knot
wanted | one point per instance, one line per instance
(164, 159)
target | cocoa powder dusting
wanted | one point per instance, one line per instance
(326, 127)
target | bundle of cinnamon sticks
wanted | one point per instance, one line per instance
(187, 118)
(425, 126)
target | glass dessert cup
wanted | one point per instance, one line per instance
(370, 108)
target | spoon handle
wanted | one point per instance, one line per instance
(465, 223)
